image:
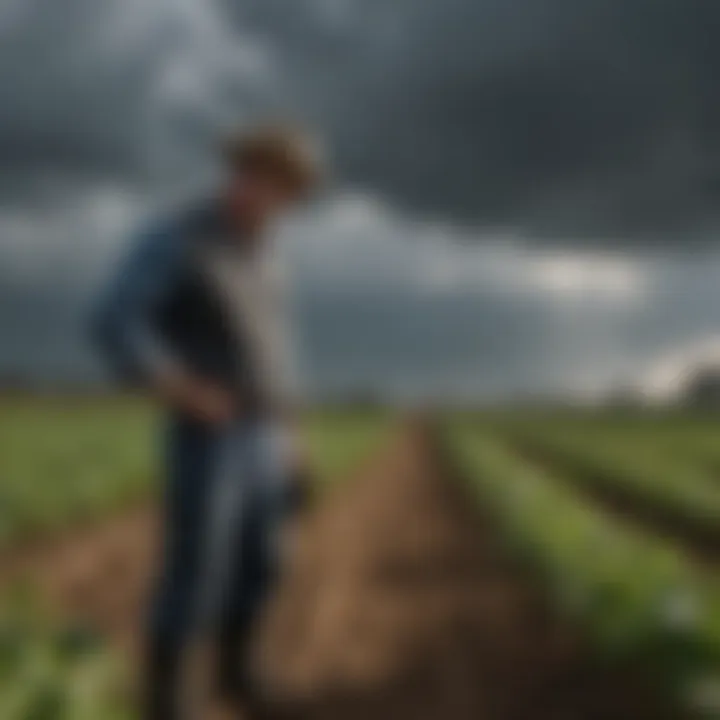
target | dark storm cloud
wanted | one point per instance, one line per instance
(595, 116)
(556, 119)
(65, 107)
(562, 116)
(121, 91)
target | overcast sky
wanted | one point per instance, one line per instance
(526, 189)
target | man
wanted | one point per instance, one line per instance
(194, 315)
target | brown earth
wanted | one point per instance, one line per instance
(397, 604)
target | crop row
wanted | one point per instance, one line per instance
(61, 463)
(677, 488)
(637, 595)
(689, 439)
(54, 671)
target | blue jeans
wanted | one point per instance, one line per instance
(224, 510)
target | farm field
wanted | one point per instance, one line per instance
(77, 486)
(500, 565)
(619, 517)
(64, 462)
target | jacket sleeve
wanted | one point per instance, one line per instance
(122, 325)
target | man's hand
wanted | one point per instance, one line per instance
(201, 400)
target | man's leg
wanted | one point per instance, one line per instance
(254, 562)
(190, 460)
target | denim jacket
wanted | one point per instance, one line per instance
(160, 311)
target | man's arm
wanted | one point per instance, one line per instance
(124, 330)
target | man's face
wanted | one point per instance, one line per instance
(255, 197)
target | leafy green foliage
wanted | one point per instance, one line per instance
(64, 461)
(49, 671)
(639, 597)
(677, 487)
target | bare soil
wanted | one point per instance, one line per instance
(397, 603)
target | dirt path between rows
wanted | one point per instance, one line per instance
(397, 605)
